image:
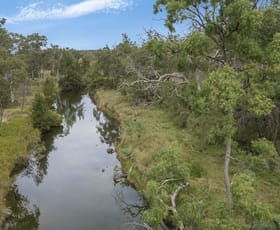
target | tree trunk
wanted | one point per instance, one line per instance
(1, 115)
(226, 171)
(23, 96)
(12, 91)
(197, 79)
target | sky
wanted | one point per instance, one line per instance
(82, 24)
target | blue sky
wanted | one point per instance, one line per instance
(82, 24)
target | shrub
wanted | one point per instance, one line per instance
(42, 117)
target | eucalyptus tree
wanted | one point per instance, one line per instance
(4, 97)
(239, 52)
(31, 48)
(4, 85)
(70, 71)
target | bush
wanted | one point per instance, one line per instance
(263, 146)
(42, 117)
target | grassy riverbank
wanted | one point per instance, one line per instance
(145, 130)
(148, 129)
(17, 138)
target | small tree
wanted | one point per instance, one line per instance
(50, 90)
(168, 177)
(42, 117)
(223, 91)
(71, 73)
(245, 199)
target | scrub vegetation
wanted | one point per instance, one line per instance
(199, 114)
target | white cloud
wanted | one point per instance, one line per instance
(37, 10)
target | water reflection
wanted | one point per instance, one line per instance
(71, 107)
(132, 208)
(38, 165)
(108, 129)
(76, 152)
(23, 216)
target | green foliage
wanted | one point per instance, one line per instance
(197, 170)
(264, 147)
(42, 117)
(50, 89)
(96, 80)
(244, 199)
(273, 49)
(259, 104)
(70, 70)
(157, 198)
(265, 155)
(4, 93)
(110, 65)
(136, 128)
(168, 171)
(195, 49)
(224, 89)
(168, 165)
(17, 139)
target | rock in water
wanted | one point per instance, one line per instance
(110, 150)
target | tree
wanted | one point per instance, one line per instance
(235, 28)
(5, 43)
(50, 90)
(31, 48)
(14, 70)
(224, 91)
(245, 202)
(4, 97)
(42, 117)
(168, 177)
(53, 57)
(232, 25)
(71, 73)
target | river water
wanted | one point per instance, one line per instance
(76, 184)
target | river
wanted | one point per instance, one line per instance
(75, 184)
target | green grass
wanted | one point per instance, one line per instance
(149, 129)
(17, 138)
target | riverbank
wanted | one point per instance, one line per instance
(17, 139)
(148, 129)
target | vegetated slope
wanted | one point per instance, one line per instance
(148, 130)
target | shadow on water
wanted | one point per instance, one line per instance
(25, 215)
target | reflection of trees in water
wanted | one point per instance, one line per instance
(69, 105)
(133, 209)
(38, 165)
(108, 129)
(23, 216)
